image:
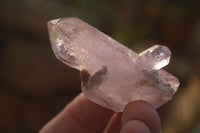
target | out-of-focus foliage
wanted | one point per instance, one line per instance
(35, 86)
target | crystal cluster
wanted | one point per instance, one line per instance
(112, 75)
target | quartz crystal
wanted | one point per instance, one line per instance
(112, 75)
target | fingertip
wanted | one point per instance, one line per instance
(144, 112)
(134, 126)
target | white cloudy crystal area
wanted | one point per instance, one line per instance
(112, 75)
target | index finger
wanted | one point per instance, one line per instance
(79, 116)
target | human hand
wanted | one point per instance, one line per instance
(84, 116)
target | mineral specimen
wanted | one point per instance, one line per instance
(112, 75)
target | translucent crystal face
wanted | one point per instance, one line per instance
(112, 75)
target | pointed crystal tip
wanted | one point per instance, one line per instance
(54, 21)
(154, 58)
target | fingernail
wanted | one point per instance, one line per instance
(134, 126)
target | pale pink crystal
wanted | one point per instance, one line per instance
(112, 75)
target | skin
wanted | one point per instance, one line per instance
(84, 116)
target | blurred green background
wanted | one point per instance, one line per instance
(35, 86)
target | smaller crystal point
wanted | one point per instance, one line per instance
(154, 58)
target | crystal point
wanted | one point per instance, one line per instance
(154, 58)
(112, 75)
